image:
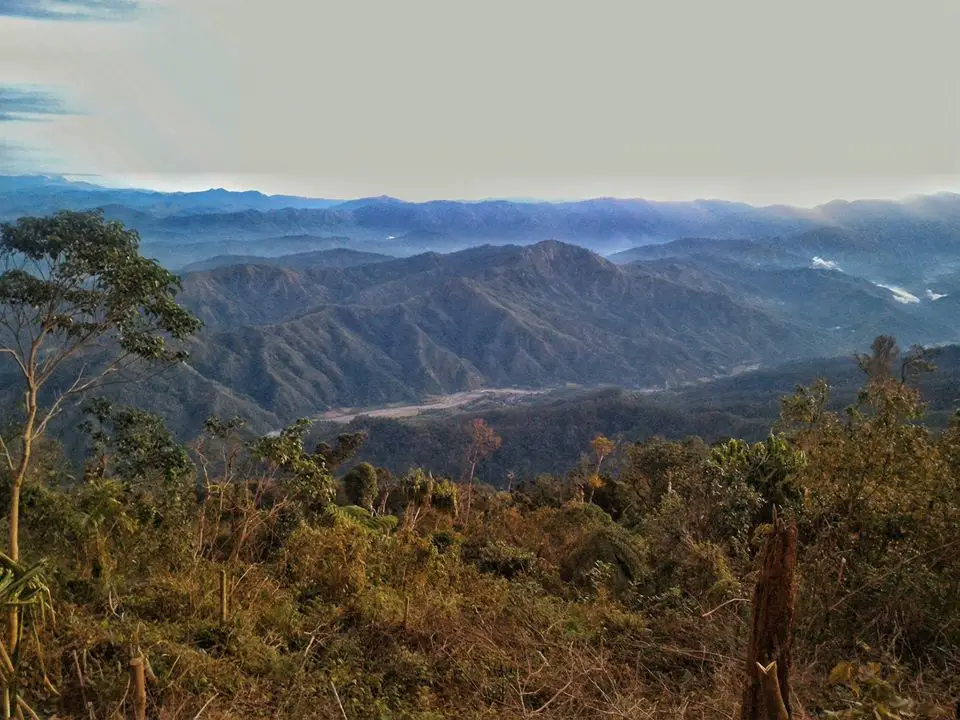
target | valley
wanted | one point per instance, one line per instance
(486, 396)
(385, 309)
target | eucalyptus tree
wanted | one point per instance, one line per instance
(79, 305)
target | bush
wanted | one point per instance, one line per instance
(507, 561)
(612, 548)
(360, 485)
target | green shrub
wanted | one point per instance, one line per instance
(613, 548)
(507, 561)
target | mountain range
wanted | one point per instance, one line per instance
(309, 308)
(299, 340)
(184, 228)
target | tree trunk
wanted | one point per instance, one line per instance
(20, 474)
(384, 498)
(772, 626)
(466, 518)
(13, 514)
(772, 697)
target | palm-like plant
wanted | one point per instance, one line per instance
(21, 587)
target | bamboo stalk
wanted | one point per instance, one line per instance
(138, 679)
(24, 708)
(224, 603)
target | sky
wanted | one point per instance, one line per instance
(761, 101)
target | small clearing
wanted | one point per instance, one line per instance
(444, 402)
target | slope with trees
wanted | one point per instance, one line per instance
(223, 578)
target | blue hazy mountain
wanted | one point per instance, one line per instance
(39, 194)
(184, 228)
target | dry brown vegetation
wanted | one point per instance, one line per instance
(237, 578)
(635, 605)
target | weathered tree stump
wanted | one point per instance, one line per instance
(771, 634)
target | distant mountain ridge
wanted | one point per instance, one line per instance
(182, 228)
(35, 194)
(335, 257)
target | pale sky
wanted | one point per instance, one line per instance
(762, 101)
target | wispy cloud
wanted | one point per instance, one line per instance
(20, 107)
(17, 158)
(76, 10)
(28, 104)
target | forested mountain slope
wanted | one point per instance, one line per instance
(300, 341)
(550, 433)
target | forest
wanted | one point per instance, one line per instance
(243, 575)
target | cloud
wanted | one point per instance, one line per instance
(20, 108)
(26, 104)
(820, 263)
(900, 295)
(172, 95)
(11, 153)
(70, 9)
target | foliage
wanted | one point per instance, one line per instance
(348, 445)
(135, 444)
(305, 474)
(360, 485)
(868, 694)
(752, 481)
(72, 278)
(505, 560)
(633, 605)
(623, 556)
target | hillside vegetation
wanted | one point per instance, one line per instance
(617, 589)
(262, 575)
(551, 433)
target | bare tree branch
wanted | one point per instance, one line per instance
(6, 453)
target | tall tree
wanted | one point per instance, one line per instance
(348, 445)
(601, 446)
(483, 441)
(878, 364)
(76, 296)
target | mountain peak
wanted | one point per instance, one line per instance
(557, 251)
